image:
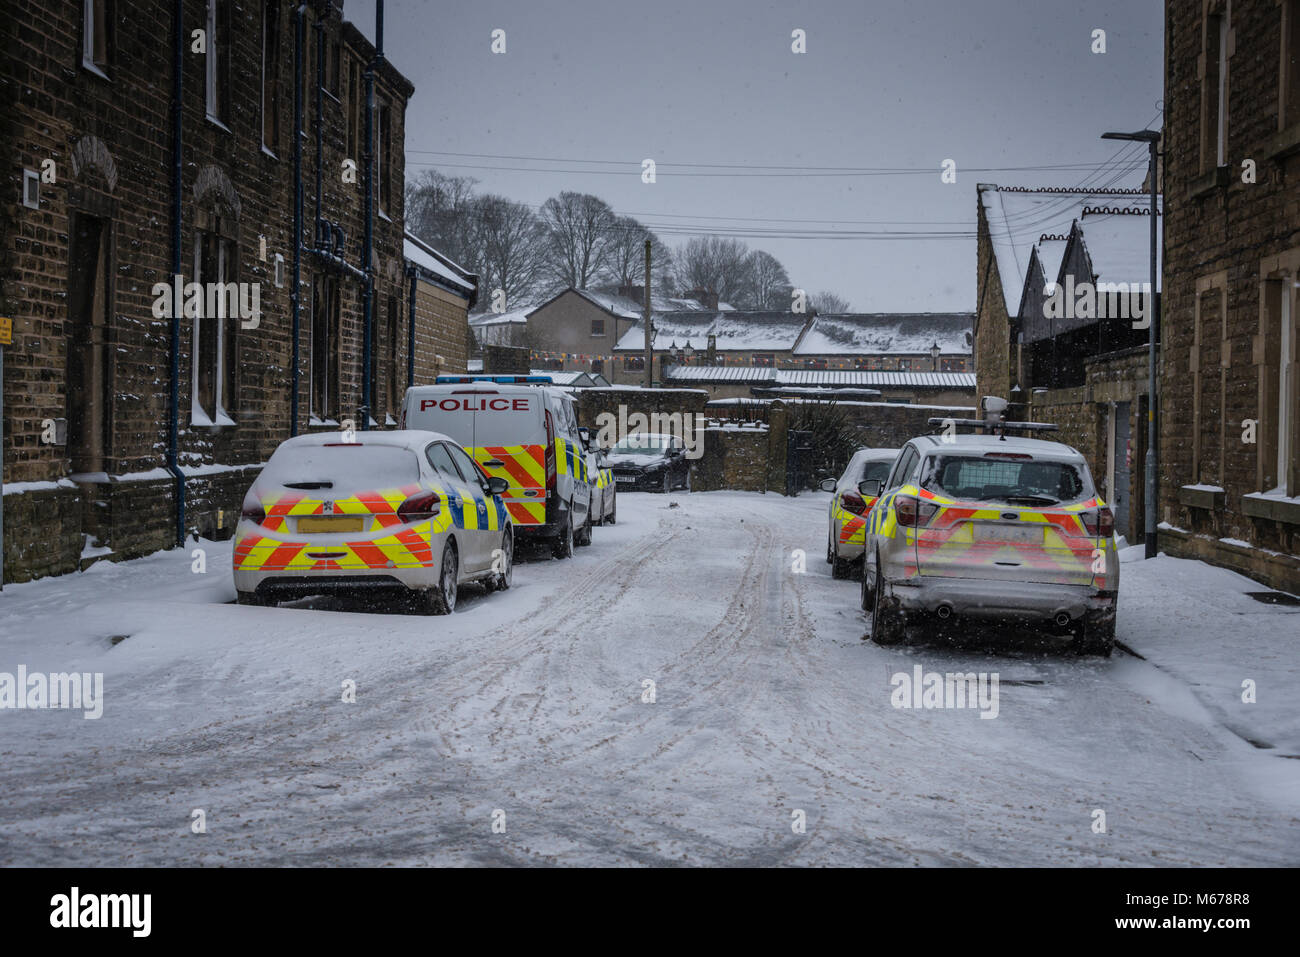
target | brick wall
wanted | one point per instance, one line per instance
(1223, 237)
(110, 140)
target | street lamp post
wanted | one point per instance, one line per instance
(934, 356)
(1152, 139)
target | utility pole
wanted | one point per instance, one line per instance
(1152, 464)
(649, 351)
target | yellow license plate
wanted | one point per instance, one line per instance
(331, 523)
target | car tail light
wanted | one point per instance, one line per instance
(550, 451)
(1100, 522)
(913, 512)
(419, 508)
(853, 503)
(253, 511)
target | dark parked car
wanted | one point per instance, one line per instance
(650, 461)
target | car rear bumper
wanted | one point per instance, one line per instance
(989, 599)
(285, 585)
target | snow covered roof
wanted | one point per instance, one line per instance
(823, 378)
(1119, 246)
(572, 379)
(627, 308)
(437, 266)
(514, 317)
(1018, 216)
(883, 333)
(735, 331)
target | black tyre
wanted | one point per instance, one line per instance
(1095, 637)
(886, 628)
(583, 538)
(613, 512)
(562, 547)
(840, 567)
(668, 481)
(867, 598)
(253, 598)
(502, 579)
(686, 480)
(830, 548)
(441, 599)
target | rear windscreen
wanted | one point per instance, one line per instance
(975, 478)
(343, 468)
(874, 472)
(476, 418)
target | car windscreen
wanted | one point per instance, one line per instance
(342, 468)
(981, 478)
(641, 444)
(872, 472)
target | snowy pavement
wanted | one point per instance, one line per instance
(528, 709)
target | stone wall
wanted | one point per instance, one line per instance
(735, 457)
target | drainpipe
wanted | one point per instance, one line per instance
(173, 392)
(367, 246)
(410, 333)
(320, 106)
(296, 296)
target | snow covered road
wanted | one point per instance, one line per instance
(767, 703)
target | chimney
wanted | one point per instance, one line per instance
(706, 297)
(634, 292)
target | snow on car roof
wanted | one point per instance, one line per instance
(993, 443)
(876, 455)
(412, 439)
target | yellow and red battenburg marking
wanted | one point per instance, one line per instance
(524, 467)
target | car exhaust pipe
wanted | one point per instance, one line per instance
(1062, 619)
(944, 612)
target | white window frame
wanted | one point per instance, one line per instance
(1286, 386)
(210, 67)
(88, 40)
(1221, 120)
(198, 414)
(266, 148)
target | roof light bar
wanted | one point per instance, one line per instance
(503, 379)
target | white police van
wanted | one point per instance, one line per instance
(523, 430)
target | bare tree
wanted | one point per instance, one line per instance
(715, 263)
(513, 248)
(441, 210)
(826, 302)
(626, 261)
(768, 288)
(580, 231)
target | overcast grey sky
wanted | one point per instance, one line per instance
(900, 84)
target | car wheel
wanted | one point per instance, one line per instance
(686, 482)
(584, 535)
(830, 547)
(441, 599)
(613, 512)
(502, 579)
(867, 596)
(668, 481)
(840, 567)
(886, 628)
(253, 598)
(1093, 637)
(563, 545)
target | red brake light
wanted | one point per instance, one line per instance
(550, 451)
(419, 508)
(1100, 523)
(1016, 456)
(913, 512)
(853, 503)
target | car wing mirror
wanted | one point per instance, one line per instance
(497, 485)
(869, 488)
(828, 485)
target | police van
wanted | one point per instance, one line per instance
(525, 431)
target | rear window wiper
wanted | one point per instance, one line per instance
(308, 485)
(1033, 499)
